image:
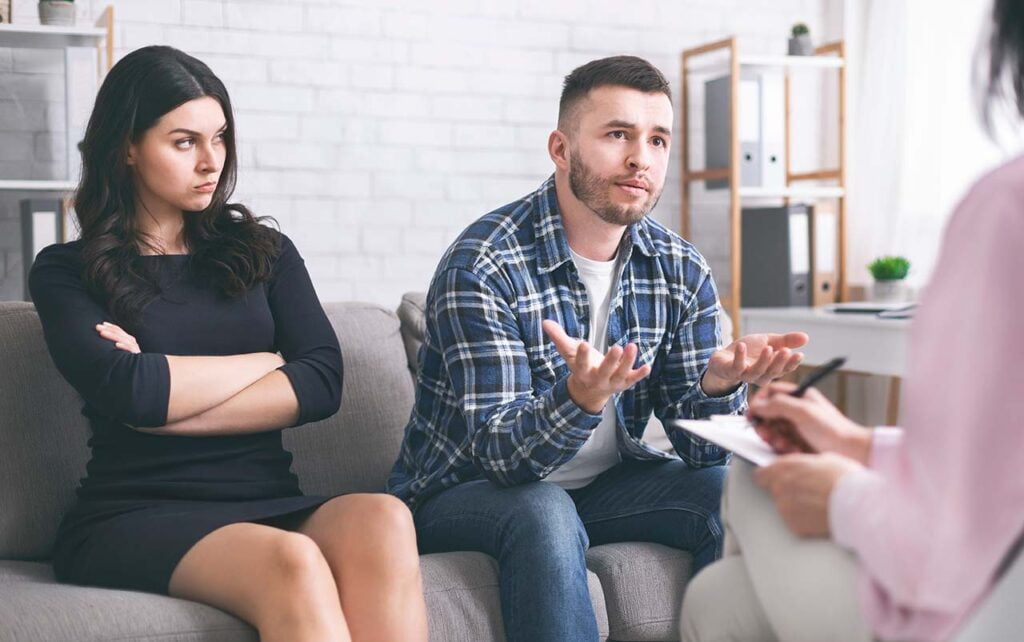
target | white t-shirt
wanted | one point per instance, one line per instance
(601, 452)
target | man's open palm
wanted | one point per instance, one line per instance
(755, 358)
(595, 377)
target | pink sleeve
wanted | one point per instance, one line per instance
(885, 444)
(849, 502)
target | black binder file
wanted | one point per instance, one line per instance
(776, 256)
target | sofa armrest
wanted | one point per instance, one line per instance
(414, 326)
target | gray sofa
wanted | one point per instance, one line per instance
(636, 588)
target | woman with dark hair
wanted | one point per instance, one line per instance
(927, 522)
(167, 316)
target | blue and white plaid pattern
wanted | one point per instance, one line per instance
(491, 395)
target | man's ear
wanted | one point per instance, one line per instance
(558, 150)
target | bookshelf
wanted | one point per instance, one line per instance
(33, 36)
(798, 185)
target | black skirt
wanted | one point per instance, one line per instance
(134, 545)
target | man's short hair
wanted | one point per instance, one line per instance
(623, 71)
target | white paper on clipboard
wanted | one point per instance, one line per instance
(734, 433)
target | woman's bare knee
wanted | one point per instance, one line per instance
(367, 530)
(295, 560)
(264, 575)
(370, 542)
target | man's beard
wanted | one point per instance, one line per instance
(592, 190)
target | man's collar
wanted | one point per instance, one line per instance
(553, 247)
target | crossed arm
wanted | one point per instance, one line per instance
(207, 394)
(193, 395)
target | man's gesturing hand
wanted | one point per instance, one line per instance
(755, 358)
(595, 378)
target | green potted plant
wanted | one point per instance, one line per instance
(800, 42)
(57, 12)
(889, 272)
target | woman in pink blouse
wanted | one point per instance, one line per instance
(929, 517)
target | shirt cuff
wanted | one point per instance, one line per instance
(844, 503)
(148, 404)
(727, 404)
(885, 444)
(564, 413)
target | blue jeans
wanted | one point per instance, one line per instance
(539, 534)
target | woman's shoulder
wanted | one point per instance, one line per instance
(1002, 184)
(991, 213)
(261, 232)
(66, 255)
(56, 266)
(286, 249)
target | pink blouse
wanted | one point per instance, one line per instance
(943, 500)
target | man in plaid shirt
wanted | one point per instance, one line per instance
(555, 326)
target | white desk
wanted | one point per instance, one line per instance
(870, 345)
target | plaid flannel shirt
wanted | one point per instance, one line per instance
(491, 394)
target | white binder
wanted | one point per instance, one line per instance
(761, 129)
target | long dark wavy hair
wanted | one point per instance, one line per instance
(227, 243)
(1001, 73)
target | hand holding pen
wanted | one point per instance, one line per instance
(794, 418)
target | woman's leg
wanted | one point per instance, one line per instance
(805, 587)
(369, 542)
(276, 580)
(720, 606)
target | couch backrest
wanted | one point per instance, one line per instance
(43, 434)
(42, 437)
(354, 450)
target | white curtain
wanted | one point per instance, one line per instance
(916, 141)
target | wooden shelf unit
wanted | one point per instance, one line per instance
(827, 57)
(34, 36)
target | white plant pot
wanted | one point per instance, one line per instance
(890, 291)
(56, 12)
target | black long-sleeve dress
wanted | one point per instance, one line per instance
(148, 498)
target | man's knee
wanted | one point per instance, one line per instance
(704, 486)
(542, 514)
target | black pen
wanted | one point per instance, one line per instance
(782, 426)
(818, 375)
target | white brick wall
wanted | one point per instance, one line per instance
(375, 130)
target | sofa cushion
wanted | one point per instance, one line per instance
(353, 451)
(42, 437)
(461, 591)
(643, 588)
(33, 606)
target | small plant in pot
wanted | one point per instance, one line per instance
(889, 273)
(800, 42)
(57, 12)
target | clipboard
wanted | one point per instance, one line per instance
(732, 432)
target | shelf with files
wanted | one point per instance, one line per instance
(805, 186)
